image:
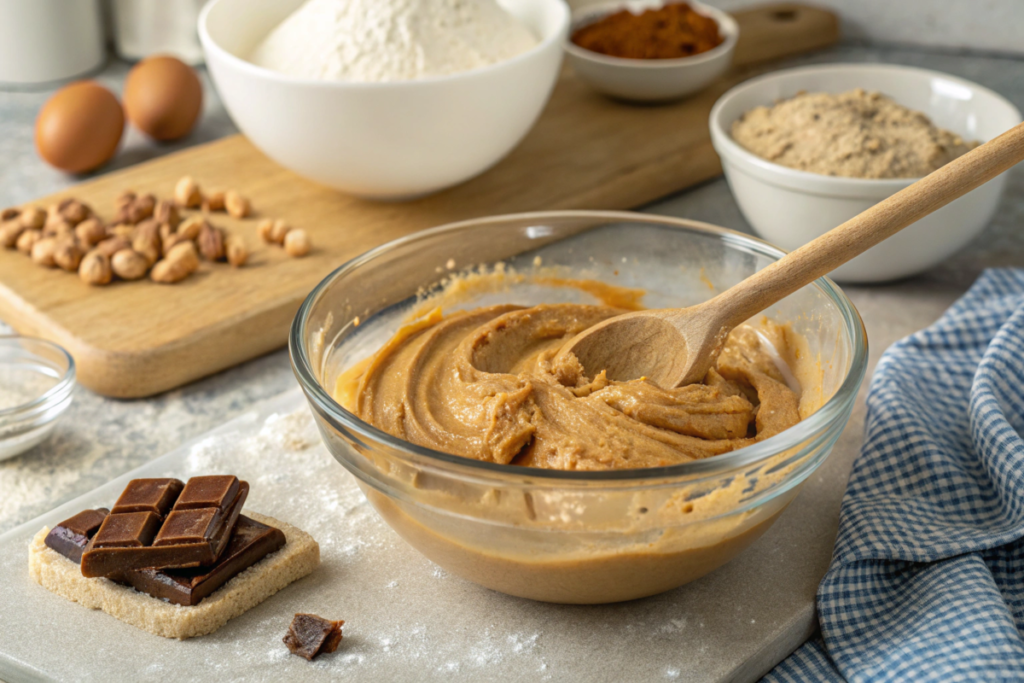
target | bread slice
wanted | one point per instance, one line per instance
(299, 556)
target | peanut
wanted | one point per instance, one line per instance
(33, 218)
(129, 264)
(237, 252)
(42, 251)
(173, 241)
(147, 244)
(214, 201)
(141, 209)
(236, 205)
(10, 214)
(191, 227)
(58, 227)
(112, 245)
(95, 268)
(211, 243)
(67, 254)
(122, 230)
(167, 212)
(187, 194)
(185, 253)
(264, 229)
(27, 240)
(90, 232)
(10, 231)
(181, 262)
(296, 243)
(279, 231)
(74, 211)
(124, 199)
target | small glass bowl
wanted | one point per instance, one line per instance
(37, 380)
(571, 537)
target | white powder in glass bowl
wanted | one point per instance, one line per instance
(391, 40)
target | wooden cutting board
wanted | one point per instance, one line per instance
(586, 152)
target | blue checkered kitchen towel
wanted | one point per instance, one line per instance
(927, 578)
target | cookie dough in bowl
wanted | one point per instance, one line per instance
(427, 364)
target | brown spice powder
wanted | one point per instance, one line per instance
(670, 32)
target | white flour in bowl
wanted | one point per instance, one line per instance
(391, 40)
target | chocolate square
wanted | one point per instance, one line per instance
(128, 530)
(149, 495)
(208, 492)
(70, 537)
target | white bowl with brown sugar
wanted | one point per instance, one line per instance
(806, 149)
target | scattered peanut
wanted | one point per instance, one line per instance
(191, 227)
(42, 251)
(90, 232)
(187, 194)
(213, 201)
(264, 229)
(279, 231)
(185, 253)
(122, 230)
(147, 241)
(172, 241)
(147, 236)
(74, 211)
(237, 252)
(10, 231)
(67, 254)
(166, 212)
(296, 243)
(129, 264)
(95, 268)
(27, 240)
(181, 262)
(211, 243)
(58, 227)
(237, 206)
(124, 199)
(33, 218)
(112, 245)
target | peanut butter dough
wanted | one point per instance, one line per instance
(485, 384)
(856, 134)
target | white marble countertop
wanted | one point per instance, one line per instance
(100, 438)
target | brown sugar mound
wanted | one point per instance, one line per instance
(670, 32)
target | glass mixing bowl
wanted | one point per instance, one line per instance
(572, 537)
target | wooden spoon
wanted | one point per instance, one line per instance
(676, 346)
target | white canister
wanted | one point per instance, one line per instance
(49, 40)
(147, 27)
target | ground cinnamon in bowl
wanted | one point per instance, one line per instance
(669, 32)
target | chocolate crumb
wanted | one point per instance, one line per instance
(309, 635)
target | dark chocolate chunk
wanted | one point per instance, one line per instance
(310, 635)
(194, 533)
(250, 543)
(70, 537)
(149, 495)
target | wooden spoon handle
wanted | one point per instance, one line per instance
(837, 246)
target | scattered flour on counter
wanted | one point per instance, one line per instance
(391, 40)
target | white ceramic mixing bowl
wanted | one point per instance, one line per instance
(382, 140)
(790, 208)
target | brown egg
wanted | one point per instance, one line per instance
(162, 97)
(80, 127)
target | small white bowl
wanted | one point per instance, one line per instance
(650, 80)
(37, 383)
(381, 140)
(789, 207)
